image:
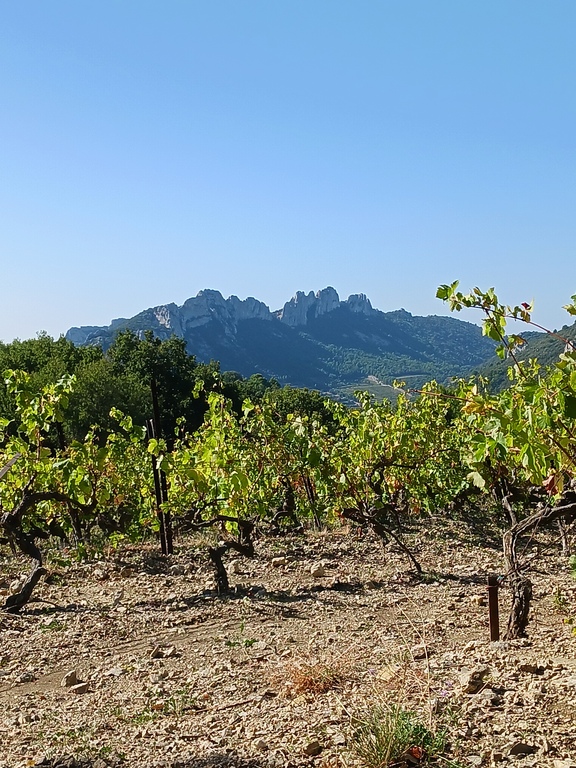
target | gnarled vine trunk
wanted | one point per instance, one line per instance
(521, 588)
(520, 584)
(12, 525)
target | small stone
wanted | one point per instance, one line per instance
(114, 672)
(26, 677)
(157, 652)
(564, 763)
(15, 586)
(177, 570)
(313, 748)
(79, 688)
(520, 748)
(260, 744)
(531, 668)
(69, 679)
(318, 570)
(419, 652)
(474, 760)
(478, 600)
(278, 562)
(473, 680)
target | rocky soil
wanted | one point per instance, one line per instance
(135, 661)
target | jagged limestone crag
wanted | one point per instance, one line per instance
(209, 305)
(314, 340)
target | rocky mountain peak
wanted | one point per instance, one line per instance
(305, 306)
(359, 302)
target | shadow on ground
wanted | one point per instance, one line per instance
(215, 760)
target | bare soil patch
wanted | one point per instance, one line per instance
(179, 677)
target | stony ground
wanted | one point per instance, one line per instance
(135, 661)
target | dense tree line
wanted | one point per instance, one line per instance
(121, 378)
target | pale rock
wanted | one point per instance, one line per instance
(307, 306)
(169, 319)
(478, 600)
(318, 571)
(359, 303)
(260, 744)
(16, 585)
(79, 688)
(69, 679)
(80, 335)
(114, 672)
(249, 309)
(163, 652)
(472, 681)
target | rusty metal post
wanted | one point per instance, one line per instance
(493, 608)
(160, 484)
(151, 434)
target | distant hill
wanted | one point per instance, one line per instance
(315, 340)
(540, 346)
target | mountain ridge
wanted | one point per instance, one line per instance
(198, 310)
(315, 340)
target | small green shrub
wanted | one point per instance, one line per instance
(385, 735)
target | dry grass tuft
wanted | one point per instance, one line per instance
(314, 677)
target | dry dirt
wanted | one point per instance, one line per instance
(178, 676)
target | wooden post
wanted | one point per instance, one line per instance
(493, 608)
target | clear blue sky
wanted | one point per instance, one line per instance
(259, 147)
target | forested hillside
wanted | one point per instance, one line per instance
(543, 347)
